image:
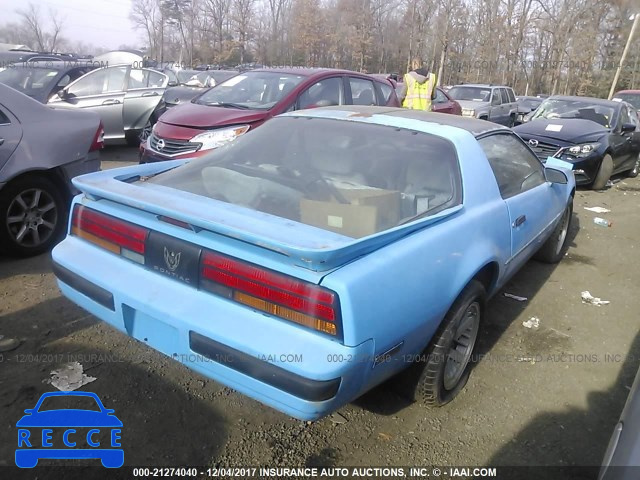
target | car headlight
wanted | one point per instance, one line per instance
(468, 112)
(583, 150)
(217, 138)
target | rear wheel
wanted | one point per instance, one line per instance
(633, 173)
(604, 173)
(33, 215)
(553, 249)
(444, 367)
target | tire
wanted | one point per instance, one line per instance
(604, 173)
(555, 247)
(633, 173)
(33, 216)
(437, 379)
(146, 131)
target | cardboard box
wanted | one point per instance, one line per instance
(370, 210)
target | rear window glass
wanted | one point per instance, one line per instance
(351, 178)
(475, 94)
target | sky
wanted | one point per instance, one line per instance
(103, 23)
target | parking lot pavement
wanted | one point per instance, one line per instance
(114, 156)
(537, 396)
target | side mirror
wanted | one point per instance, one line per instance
(628, 127)
(555, 176)
(172, 83)
(62, 94)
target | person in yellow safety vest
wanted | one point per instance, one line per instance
(419, 87)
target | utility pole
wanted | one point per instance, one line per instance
(636, 18)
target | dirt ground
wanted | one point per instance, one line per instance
(547, 396)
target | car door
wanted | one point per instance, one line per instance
(622, 144)
(101, 91)
(145, 88)
(10, 134)
(532, 202)
(441, 103)
(495, 110)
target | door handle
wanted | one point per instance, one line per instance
(150, 94)
(519, 221)
(111, 102)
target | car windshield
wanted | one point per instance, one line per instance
(185, 75)
(351, 178)
(251, 90)
(632, 98)
(531, 103)
(582, 109)
(32, 81)
(474, 94)
(75, 402)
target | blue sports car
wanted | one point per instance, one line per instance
(319, 255)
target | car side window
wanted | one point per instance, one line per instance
(512, 96)
(4, 119)
(440, 97)
(496, 98)
(624, 116)
(505, 95)
(515, 167)
(324, 93)
(362, 91)
(387, 90)
(102, 81)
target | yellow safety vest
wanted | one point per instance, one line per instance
(419, 94)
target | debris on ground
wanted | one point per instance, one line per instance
(384, 436)
(337, 418)
(69, 377)
(590, 299)
(515, 297)
(533, 322)
(602, 222)
(597, 209)
(8, 344)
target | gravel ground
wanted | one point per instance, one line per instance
(538, 396)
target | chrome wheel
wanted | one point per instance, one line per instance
(636, 168)
(32, 217)
(564, 229)
(464, 339)
(146, 132)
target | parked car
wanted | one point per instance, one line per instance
(526, 105)
(496, 103)
(41, 150)
(246, 101)
(622, 457)
(629, 96)
(338, 237)
(123, 96)
(599, 137)
(42, 80)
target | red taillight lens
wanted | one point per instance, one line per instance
(274, 293)
(98, 139)
(110, 233)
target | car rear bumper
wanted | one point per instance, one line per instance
(288, 367)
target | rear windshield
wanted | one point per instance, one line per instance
(632, 98)
(31, 81)
(351, 178)
(475, 94)
(251, 90)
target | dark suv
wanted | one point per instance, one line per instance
(246, 101)
(496, 103)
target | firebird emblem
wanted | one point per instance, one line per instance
(171, 259)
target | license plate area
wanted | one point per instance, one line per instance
(173, 258)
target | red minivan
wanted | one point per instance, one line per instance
(245, 101)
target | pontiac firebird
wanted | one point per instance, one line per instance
(354, 241)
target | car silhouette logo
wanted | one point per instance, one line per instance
(160, 145)
(69, 433)
(171, 259)
(533, 142)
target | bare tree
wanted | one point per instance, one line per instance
(45, 38)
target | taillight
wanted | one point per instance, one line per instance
(110, 233)
(98, 139)
(280, 295)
